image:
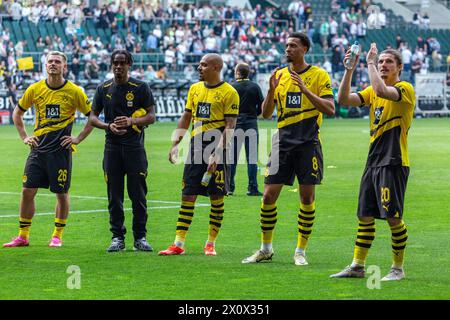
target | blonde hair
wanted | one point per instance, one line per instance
(56, 53)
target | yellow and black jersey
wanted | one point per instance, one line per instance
(210, 105)
(298, 119)
(55, 111)
(389, 125)
(126, 99)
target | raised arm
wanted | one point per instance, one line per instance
(345, 98)
(324, 105)
(268, 104)
(378, 85)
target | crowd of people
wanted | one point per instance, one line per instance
(180, 34)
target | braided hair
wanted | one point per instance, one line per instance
(127, 54)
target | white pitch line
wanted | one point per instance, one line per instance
(98, 210)
(86, 197)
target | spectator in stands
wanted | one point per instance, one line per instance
(169, 58)
(158, 32)
(425, 22)
(130, 42)
(436, 58)
(327, 66)
(211, 44)
(421, 43)
(398, 41)
(415, 69)
(19, 48)
(15, 10)
(75, 68)
(162, 73)
(361, 74)
(416, 20)
(361, 29)
(189, 72)
(151, 43)
(324, 33)
(382, 19)
(150, 74)
(12, 100)
(333, 29)
(406, 57)
(418, 54)
(336, 61)
(91, 70)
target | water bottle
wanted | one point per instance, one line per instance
(354, 51)
(206, 178)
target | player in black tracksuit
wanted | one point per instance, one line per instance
(128, 106)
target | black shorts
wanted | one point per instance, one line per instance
(49, 170)
(192, 180)
(382, 192)
(305, 162)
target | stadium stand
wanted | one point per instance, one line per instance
(171, 40)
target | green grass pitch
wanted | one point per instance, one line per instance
(39, 272)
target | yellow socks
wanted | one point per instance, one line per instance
(399, 237)
(59, 227)
(185, 216)
(215, 219)
(364, 239)
(24, 228)
(305, 224)
(268, 221)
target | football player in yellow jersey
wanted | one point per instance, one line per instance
(49, 164)
(383, 184)
(212, 107)
(301, 93)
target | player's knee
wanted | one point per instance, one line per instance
(366, 219)
(269, 197)
(394, 221)
(28, 193)
(189, 198)
(307, 199)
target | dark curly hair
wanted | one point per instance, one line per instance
(128, 56)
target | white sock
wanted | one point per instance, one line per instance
(267, 247)
(300, 251)
(356, 265)
(179, 243)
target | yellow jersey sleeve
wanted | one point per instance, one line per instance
(27, 100)
(406, 92)
(82, 102)
(365, 96)
(190, 99)
(231, 108)
(325, 85)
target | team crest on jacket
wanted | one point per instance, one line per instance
(129, 97)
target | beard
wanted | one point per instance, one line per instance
(289, 59)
